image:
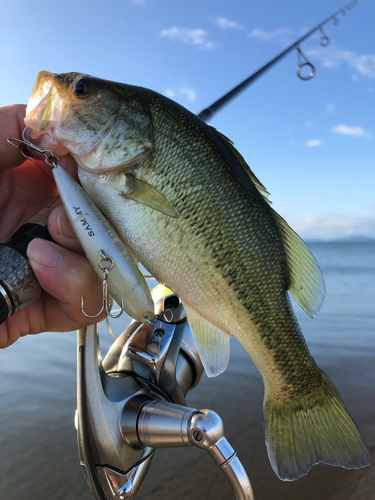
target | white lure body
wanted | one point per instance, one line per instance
(126, 283)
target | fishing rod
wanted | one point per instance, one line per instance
(208, 113)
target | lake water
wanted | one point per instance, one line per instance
(38, 455)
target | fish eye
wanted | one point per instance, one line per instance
(82, 88)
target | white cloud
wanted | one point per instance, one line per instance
(224, 24)
(309, 124)
(170, 93)
(280, 35)
(354, 131)
(189, 93)
(330, 108)
(333, 56)
(197, 37)
(268, 36)
(364, 64)
(333, 227)
(313, 143)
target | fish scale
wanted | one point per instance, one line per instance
(189, 208)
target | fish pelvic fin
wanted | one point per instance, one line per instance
(212, 344)
(300, 434)
(306, 282)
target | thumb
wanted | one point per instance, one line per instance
(66, 276)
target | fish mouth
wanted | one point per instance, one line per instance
(43, 113)
(47, 107)
(40, 105)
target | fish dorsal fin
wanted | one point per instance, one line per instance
(144, 193)
(262, 189)
(212, 344)
(306, 282)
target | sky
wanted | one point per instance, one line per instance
(311, 143)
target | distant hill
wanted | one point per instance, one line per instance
(346, 239)
(357, 239)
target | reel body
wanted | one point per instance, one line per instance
(133, 402)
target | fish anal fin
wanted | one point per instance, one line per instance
(306, 282)
(212, 344)
(144, 193)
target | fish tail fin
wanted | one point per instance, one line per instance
(302, 433)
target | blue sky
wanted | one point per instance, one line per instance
(311, 143)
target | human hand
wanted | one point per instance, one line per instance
(61, 268)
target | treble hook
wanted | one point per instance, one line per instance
(300, 66)
(107, 300)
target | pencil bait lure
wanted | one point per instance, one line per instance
(122, 279)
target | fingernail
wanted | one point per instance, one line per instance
(64, 227)
(45, 253)
(60, 220)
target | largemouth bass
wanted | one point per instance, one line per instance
(193, 213)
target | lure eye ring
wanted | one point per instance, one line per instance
(82, 88)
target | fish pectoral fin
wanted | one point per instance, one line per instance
(212, 344)
(144, 193)
(306, 282)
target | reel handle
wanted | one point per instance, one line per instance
(159, 424)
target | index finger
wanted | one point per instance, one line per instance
(11, 125)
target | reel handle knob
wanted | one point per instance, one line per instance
(160, 424)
